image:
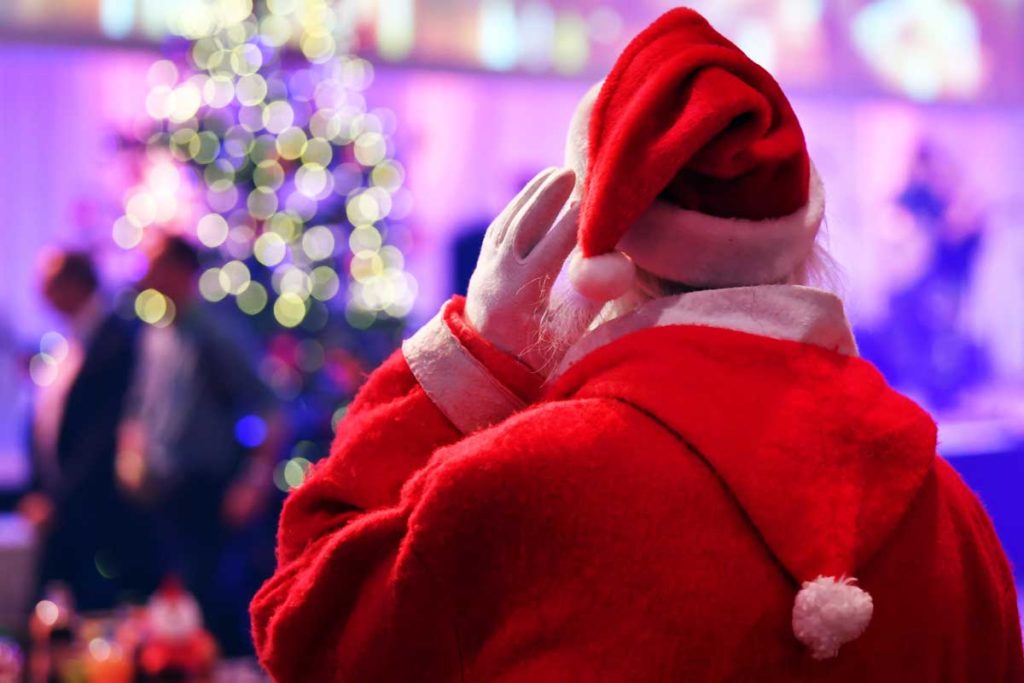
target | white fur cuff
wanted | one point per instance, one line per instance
(458, 384)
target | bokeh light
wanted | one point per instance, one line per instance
(281, 173)
(289, 309)
(325, 283)
(250, 431)
(55, 345)
(291, 143)
(318, 243)
(126, 234)
(292, 473)
(154, 308)
(234, 277)
(253, 299)
(47, 612)
(210, 286)
(370, 148)
(42, 369)
(268, 174)
(294, 280)
(338, 415)
(212, 230)
(100, 649)
(270, 248)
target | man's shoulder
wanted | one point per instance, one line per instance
(575, 442)
(113, 324)
(571, 424)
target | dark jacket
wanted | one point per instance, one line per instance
(93, 543)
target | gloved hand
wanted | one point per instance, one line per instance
(523, 251)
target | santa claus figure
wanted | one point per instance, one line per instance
(679, 470)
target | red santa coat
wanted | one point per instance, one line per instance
(650, 517)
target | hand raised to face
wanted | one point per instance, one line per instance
(523, 251)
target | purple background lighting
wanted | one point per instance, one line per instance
(466, 138)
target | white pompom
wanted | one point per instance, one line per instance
(830, 612)
(602, 278)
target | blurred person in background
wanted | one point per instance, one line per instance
(94, 541)
(923, 345)
(679, 471)
(199, 442)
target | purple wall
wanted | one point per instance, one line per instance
(55, 178)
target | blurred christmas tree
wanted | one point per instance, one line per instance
(262, 149)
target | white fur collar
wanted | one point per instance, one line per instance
(789, 312)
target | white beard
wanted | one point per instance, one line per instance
(568, 317)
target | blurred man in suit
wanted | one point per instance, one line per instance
(91, 536)
(199, 443)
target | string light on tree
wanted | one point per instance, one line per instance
(266, 152)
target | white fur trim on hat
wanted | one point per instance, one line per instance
(830, 612)
(708, 251)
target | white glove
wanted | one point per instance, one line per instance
(523, 251)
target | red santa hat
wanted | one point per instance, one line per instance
(694, 167)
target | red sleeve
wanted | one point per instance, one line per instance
(411, 592)
(356, 606)
(507, 369)
(390, 431)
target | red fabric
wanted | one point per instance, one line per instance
(616, 531)
(507, 369)
(377, 458)
(686, 116)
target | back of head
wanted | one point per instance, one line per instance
(173, 268)
(69, 280)
(177, 252)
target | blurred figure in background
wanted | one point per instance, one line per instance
(91, 535)
(199, 443)
(923, 344)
